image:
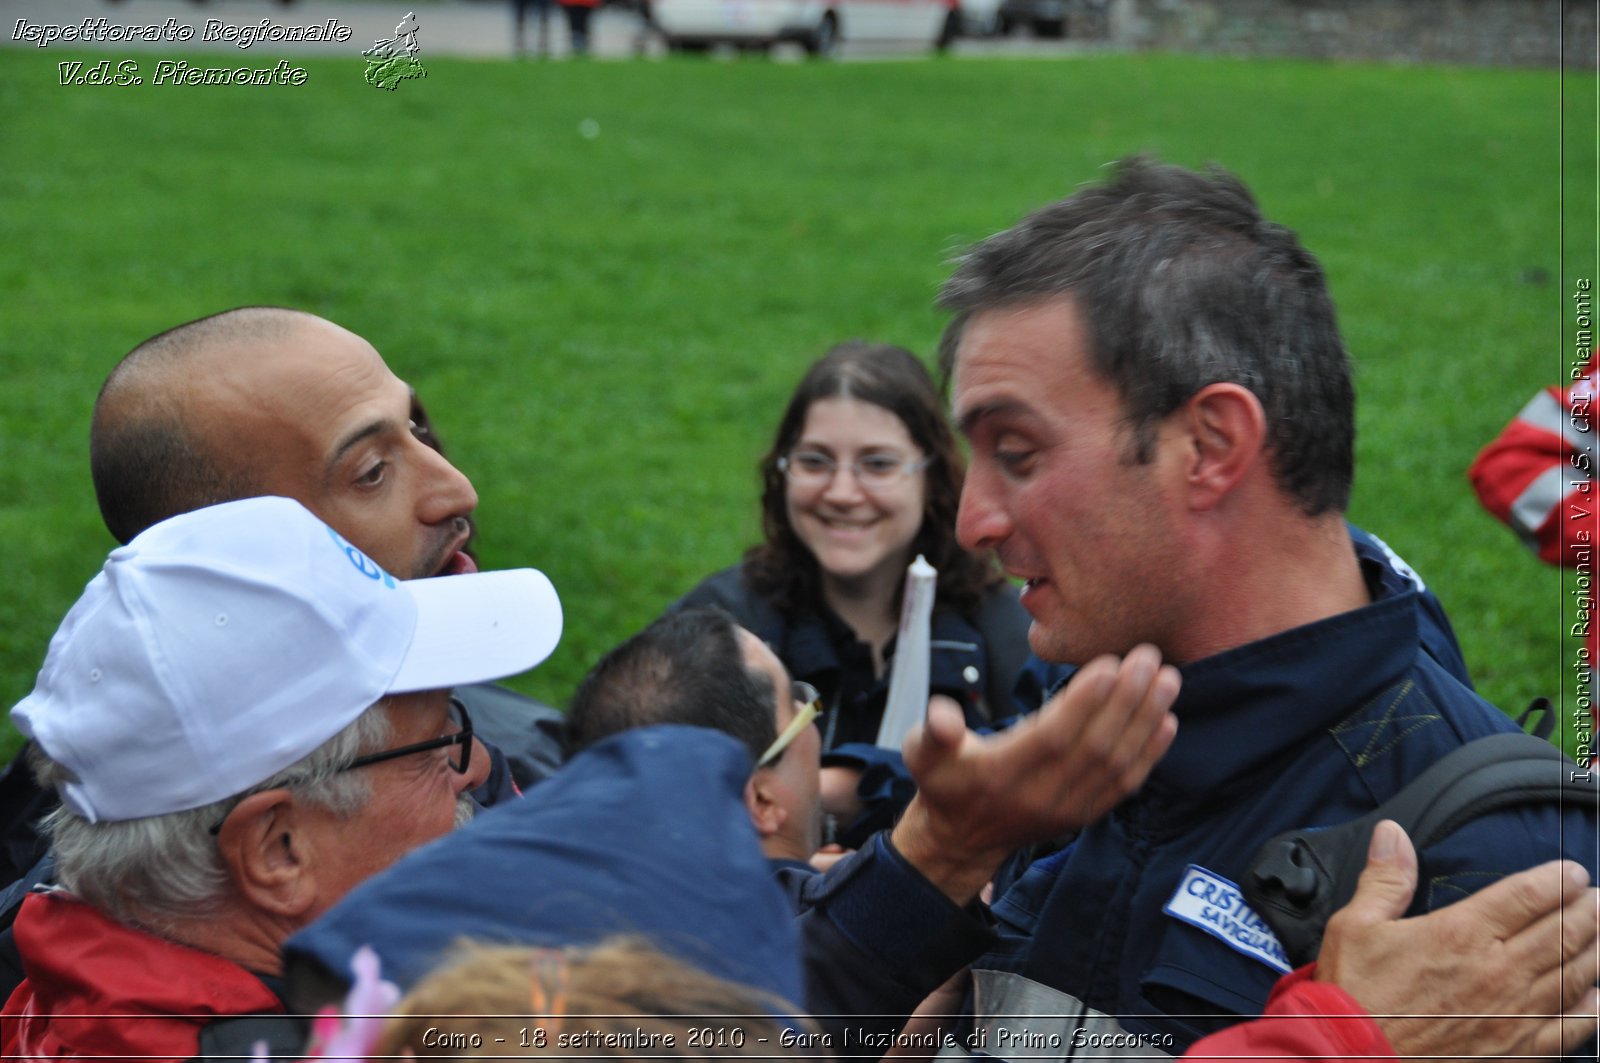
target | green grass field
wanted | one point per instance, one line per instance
(604, 326)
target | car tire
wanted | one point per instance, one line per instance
(823, 42)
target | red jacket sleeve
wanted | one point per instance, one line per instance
(1537, 475)
(1304, 1020)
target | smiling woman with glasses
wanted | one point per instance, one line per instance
(864, 473)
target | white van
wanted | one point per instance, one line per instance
(819, 26)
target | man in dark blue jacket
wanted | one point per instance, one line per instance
(1162, 420)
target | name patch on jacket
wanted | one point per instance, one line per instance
(1210, 902)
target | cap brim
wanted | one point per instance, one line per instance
(478, 626)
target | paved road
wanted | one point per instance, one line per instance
(470, 28)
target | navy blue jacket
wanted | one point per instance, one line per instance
(876, 939)
(1136, 927)
(644, 833)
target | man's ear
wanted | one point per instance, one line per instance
(265, 847)
(1226, 429)
(760, 800)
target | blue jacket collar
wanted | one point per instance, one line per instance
(1240, 693)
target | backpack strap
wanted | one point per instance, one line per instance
(1301, 877)
(1543, 716)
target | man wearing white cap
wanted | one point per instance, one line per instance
(244, 717)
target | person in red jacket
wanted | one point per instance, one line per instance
(1537, 476)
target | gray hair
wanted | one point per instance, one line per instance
(1182, 284)
(152, 871)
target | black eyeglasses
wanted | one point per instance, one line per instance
(460, 761)
(461, 738)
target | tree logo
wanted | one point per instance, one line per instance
(393, 61)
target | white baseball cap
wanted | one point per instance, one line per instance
(221, 646)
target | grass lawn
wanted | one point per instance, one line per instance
(604, 325)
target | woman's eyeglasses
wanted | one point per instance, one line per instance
(873, 472)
